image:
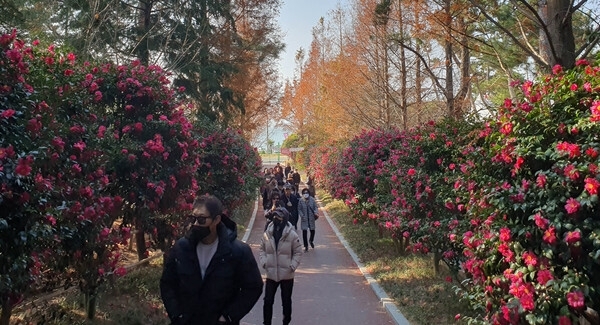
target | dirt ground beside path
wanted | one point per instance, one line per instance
(328, 288)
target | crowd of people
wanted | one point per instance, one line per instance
(211, 277)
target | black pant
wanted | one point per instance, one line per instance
(312, 237)
(286, 300)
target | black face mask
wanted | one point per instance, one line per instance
(197, 233)
(277, 222)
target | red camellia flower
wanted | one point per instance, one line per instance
(505, 234)
(549, 236)
(541, 180)
(506, 128)
(572, 206)
(591, 185)
(572, 237)
(24, 166)
(120, 271)
(544, 276)
(576, 299)
(595, 110)
(7, 113)
(591, 152)
(530, 259)
(557, 69)
(564, 320)
(571, 172)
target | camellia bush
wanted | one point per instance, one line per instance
(510, 204)
(87, 149)
(24, 227)
(534, 255)
(229, 167)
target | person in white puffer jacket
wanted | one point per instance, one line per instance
(279, 254)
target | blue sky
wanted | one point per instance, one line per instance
(296, 21)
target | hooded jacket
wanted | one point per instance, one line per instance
(231, 286)
(280, 260)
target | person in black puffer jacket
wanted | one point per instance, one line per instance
(209, 276)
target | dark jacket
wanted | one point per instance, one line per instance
(293, 210)
(231, 286)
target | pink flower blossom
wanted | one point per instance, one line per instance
(572, 237)
(6, 114)
(541, 180)
(564, 320)
(544, 276)
(591, 185)
(576, 299)
(121, 271)
(23, 167)
(530, 259)
(505, 234)
(572, 206)
(540, 221)
(549, 236)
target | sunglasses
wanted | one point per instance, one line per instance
(199, 219)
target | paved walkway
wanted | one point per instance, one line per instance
(329, 287)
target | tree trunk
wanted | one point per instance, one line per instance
(448, 51)
(140, 239)
(6, 312)
(560, 28)
(437, 257)
(89, 301)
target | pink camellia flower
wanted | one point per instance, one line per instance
(574, 87)
(571, 172)
(557, 69)
(101, 272)
(549, 236)
(576, 299)
(76, 168)
(411, 172)
(595, 110)
(544, 276)
(121, 271)
(101, 131)
(583, 62)
(51, 219)
(541, 180)
(572, 206)
(572, 237)
(540, 221)
(530, 259)
(79, 146)
(591, 152)
(6, 114)
(505, 234)
(527, 301)
(23, 167)
(564, 320)
(104, 233)
(587, 87)
(97, 96)
(506, 128)
(591, 185)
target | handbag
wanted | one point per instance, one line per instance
(316, 215)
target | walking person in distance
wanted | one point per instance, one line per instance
(279, 254)
(209, 276)
(307, 212)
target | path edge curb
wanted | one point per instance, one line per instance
(384, 299)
